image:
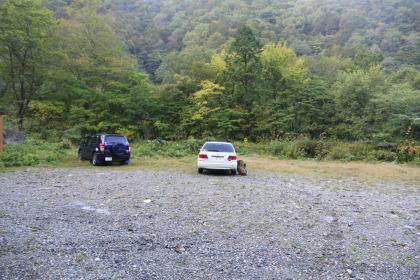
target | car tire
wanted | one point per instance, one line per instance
(233, 171)
(80, 156)
(118, 149)
(200, 170)
(95, 159)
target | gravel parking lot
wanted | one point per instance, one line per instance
(117, 223)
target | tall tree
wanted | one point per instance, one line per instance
(356, 96)
(366, 59)
(243, 71)
(182, 63)
(282, 69)
(205, 104)
(24, 34)
(92, 50)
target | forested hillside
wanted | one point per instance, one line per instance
(174, 69)
(152, 29)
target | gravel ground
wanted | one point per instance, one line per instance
(116, 223)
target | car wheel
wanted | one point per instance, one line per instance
(80, 156)
(200, 170)
(118, 149)
(233, 171)
(95, 159)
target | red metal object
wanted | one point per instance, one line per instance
(1, 133)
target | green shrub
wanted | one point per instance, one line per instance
(73, 134)
(285, 149)
(34, 152)
(408, 151)
(249, 148)
(41, 151)
(49, 135)
(141, 150)
(337, 151)
(19, 155)
(158, 147)
(384, 155)
(360, 150)
(65, 144)
(308, 148)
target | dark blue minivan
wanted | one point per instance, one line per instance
(103, 148)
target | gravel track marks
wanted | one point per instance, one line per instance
(109, 223)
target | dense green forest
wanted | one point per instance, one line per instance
(264, 70)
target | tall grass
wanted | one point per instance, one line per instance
(46, 152)
(157, 147)
(332, 150)
(35, 152)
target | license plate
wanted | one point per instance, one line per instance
(108, 158)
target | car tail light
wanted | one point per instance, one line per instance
(102, 147)
(129, 149)
(202, 156)
(232, 158)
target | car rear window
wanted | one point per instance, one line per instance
(115, 139)
(218, 147)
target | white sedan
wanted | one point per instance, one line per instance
(217, 156)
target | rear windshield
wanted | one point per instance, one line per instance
(218, 147)
(115, 139)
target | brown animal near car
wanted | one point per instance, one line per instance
(242, 167)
